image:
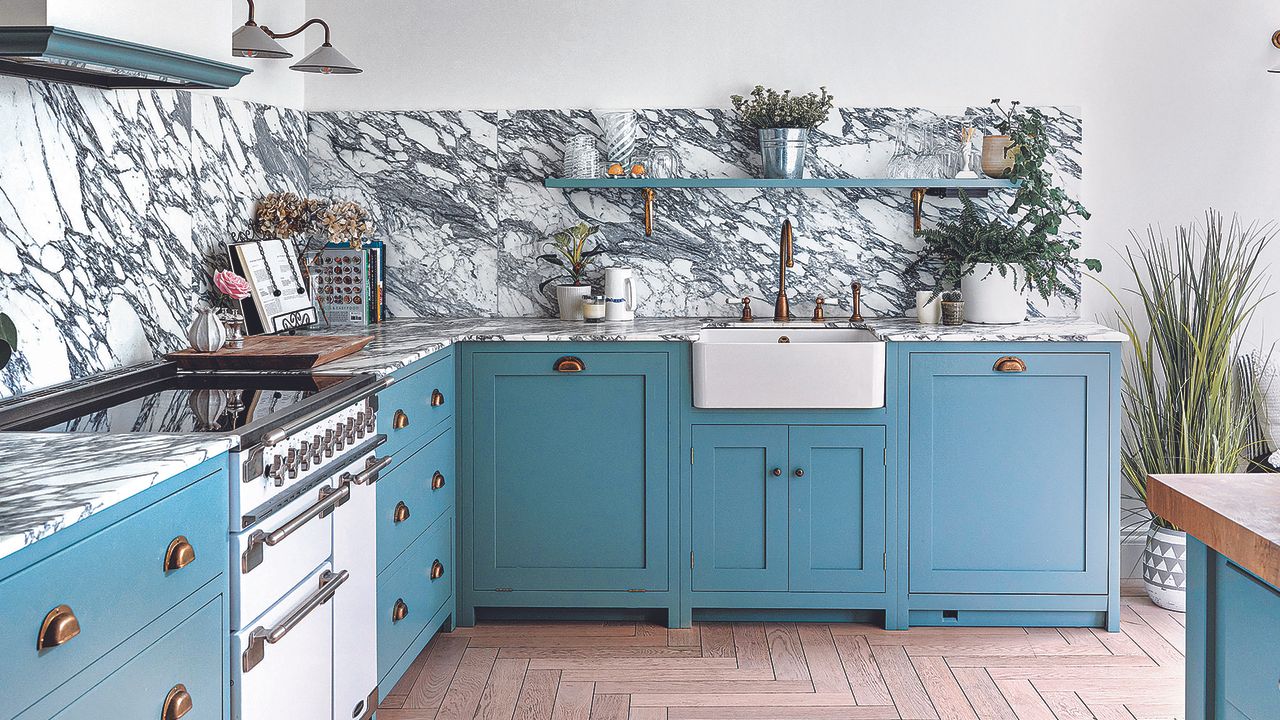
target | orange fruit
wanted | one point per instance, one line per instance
(637, 169)
(616, 169)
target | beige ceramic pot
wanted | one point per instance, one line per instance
(997, 160)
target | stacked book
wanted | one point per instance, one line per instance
(348, 284)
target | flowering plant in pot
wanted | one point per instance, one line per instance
(1195, 294)
(782, 122)
(569, 253)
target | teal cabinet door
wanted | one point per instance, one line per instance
(1009, 473)
(837, 509)
(739, 531)
(570, 471)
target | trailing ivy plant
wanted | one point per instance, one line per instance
(770, 109)
(568, 251)
(8, 339)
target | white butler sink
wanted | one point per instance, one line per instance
(782, 366)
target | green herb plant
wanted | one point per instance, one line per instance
(8, 339)
(568, 251)
(1197, 293)
(769, 109)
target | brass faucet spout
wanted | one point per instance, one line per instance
(786, 259)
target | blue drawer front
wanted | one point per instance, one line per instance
(408, 580)
(1009, 474)
(190, 655)
(123, 561)
(570, 470)
(413, 483)
(410, 399)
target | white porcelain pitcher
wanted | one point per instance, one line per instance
(619, 294)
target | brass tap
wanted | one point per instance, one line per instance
(781, 310)
(857, 303)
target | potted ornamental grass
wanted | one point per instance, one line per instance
(1193, 297)
(782, 122)
(996, 260)
(567, 250)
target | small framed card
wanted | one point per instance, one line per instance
(279, 298)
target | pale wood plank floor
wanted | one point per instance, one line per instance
(799, 671)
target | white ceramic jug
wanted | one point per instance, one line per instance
(619, 294)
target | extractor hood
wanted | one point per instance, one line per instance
(67, 56)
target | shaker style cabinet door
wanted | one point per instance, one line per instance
(1009, 473)
(570, 470)
(740, 475)
(837, 519)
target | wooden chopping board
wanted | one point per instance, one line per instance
(274, 352)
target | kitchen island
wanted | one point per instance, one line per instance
(1233, 590)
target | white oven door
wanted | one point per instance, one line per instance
(273, 556)
(283, 666)
(355, 631)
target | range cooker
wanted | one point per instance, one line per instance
(302, 516)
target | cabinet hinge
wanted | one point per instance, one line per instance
(886, 457)
(502, 589)
(884, 562)
(690, 456)
(635, 590)
(690, 559)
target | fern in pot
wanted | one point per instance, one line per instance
(783, 122)
(1193, 296)
(567, 250)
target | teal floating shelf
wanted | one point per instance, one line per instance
(805, 183)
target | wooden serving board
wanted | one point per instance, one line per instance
(274, 352)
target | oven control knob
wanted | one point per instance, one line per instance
(291, 463)
(276, 471)
(328, 443)
(339, 439)
(316, 448)
(304, 458)
(361, 424)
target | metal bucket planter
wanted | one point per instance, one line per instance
(1164, 568)
(784, 151)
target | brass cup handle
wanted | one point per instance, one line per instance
(1010, 364)
(59, 626)
(799, 472)
(437, 480)
(570, 364)
(401, 513)
(177, 703)
(399, 611)
(437, 570)
(437, 398)
(400, 420)
(180, 554)
(777, 472)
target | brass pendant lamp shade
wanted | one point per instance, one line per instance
(254, 41)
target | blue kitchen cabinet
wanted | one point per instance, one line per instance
(1011, 480)
(569, 471)
(1233, 639)
(778, 508)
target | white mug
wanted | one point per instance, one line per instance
(928, 312)
(619, 294)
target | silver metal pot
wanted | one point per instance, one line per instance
(784, 150)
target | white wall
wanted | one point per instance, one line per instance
(1179, 111)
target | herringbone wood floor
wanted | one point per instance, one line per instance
(786, 671)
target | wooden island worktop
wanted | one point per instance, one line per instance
(1236, 515)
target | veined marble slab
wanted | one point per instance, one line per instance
(1031, 330)
(50, 481)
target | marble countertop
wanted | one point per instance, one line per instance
(400, 342)
(1236, 515)
(49, 481)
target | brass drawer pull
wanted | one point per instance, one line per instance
(1010, 364)
(777, 472)
(400, 420)
(437, 570)
(180, 554)
(437, 481)
(437, 398)
(799, 472)
(59, 626)
(401, 513)
(177, 703)
(399, 611)
(569, 363)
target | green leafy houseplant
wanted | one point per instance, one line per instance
(1198, 291)
(767, 109)
(568, 251)
(8, 339)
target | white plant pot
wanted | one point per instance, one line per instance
(569, 300)
(1164, 568)
(993, 299)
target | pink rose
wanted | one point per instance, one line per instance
(231, 284)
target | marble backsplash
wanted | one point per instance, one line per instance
(459, 197)
(109, 200)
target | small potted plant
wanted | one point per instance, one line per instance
(569, 253)
(783, 122)
(8, 339)
(998, 151)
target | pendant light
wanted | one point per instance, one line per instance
(260, 42)
(1275, 40)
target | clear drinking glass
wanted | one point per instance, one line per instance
(581, 157)
(900, 163)
(663, 162)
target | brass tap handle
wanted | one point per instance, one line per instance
(177, 703)
(180, 554)
(818, 314)
(59, 626)
(857, 303)
(745, 302)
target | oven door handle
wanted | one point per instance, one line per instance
(329, 499)
(261, 636)
(370, 474)
(277, 436)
